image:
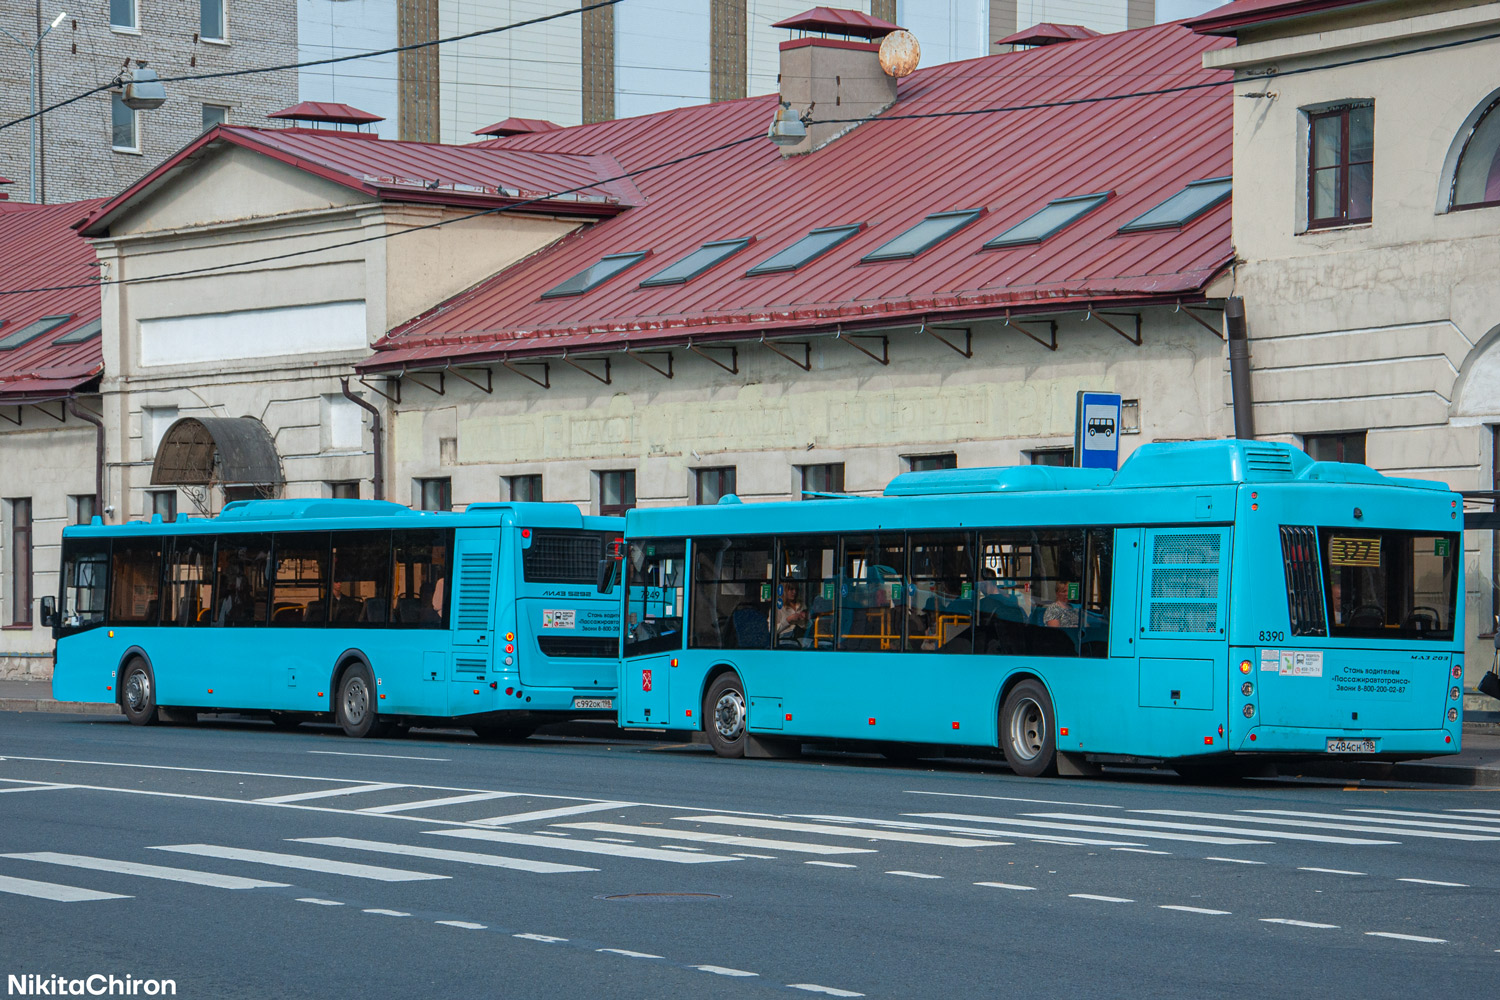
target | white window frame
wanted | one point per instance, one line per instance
(222, 107)
(134, 27)
(224, 15)
(135, 127)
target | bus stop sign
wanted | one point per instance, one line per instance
(1096, 431)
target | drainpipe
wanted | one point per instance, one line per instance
(379, 470)
(1239, 368)
(98, 423)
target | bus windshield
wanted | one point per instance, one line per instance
(1390, 584)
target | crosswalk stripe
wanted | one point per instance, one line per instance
(1050, 838)
(1337, 821)
(212, 879)
(1406, 937)
(1196, 909)
(863, 833)
(452, 800)
(300, 862)
(39, 787)
(1205, 828)
(438, 854)
(1007, 885)
(1298, 923)
(1486, 812)
(1146, 834)
(584, 846)
(727, 839)
(826, 990)
(52, 891)
(1395, 817)
(327, 793)
(560, 811)
(1428, 881)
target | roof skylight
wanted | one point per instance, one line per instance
(1053, 218)
(86, 332)
(808, 248)
(695, 263)
(1183, 207)
(595, 275)
(924, 235)
(31, 331)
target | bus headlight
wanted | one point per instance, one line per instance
(1249, 711)
(1453, 693)
(1247, 689)
(1452, 715)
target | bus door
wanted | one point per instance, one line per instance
(1182, 639)
(655, 587)
(473, 616)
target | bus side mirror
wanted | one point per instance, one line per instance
(49, 612)
(614, 554)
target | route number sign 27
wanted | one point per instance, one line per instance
(1096, 431)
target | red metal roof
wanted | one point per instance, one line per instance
(887, 175)
(475, 175)
(518, 126)
(1229, 18)
(327, 111)
(838, 21)
(1049, 34)
(39, 249)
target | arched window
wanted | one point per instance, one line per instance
(1476, 182)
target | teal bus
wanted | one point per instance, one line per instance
(363, 612)
(1210, 605)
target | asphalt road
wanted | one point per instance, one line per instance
(244, 862)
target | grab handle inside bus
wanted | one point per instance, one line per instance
(614, 554)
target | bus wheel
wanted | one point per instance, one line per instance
(724, 713)
(1026, 730)
(356, 703)
(138, 693)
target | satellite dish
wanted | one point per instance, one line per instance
(899, 53)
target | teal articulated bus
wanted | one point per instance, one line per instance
(1210, 604)
(359, 611)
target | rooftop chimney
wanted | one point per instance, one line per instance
(832, 70)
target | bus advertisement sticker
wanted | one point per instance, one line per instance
(1300, 664)
(1270, 661)
(562, 618)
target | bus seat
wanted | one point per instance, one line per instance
(750, 628)
(408, 610)
(373, 611)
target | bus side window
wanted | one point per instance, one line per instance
(872, 591)
(940, 599)
(243, 587)
(300, 589)
(135, 572)
(654, 589)
(85, 568)
(732, 587)
(1094, 613)
(189, 598)
(806, 592)
(419, 578)
(361, 576)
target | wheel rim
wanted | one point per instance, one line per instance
(729, 715)
(1027, 729)
(137, 690)
(356, 700)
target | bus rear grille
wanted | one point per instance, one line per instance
(557, 646)
(1201, 548)
(1184, 618)
(1269, 463)
(562, 557)
(473, 605)
(467, 666)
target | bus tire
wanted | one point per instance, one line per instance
(138, 693)
(1026, 730)
(355, 705)
(724, 715)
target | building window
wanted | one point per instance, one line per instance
(1130, 416)
(83, 508)
(1341, 164)
(123, 14)
(214, 114)
(1050, 456)
(163, 502)
(213, 22)
(930, 463)
(819, 479)
(344, 489)
(20, 561)
(524, 489)
(1476, 182)
(616, 492)
(1335, 447)
(124, 137)
(433, 494)
(711, 484)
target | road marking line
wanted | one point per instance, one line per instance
(1467, 822)
(728, 839)
(148, 871)
(1205, 828)
(452, 800)
(719, 970)
(439, 854)
(830, 864)
(300, 862)
(828, 990)
(1406, 937)
(1007, 798)
(584, 846)
(972, 831)
(56, 893)
(1139, 833)
(1196, 909)
(48, 787)
(762, 857)
(327, 793)
(1139, 850)
(1270, 816)
(319, 902)
(543, 938)
(1299, 923)
(1236, 861)
(1330, 871)
(840, 831)
(614, 840)
(913, 874)
(1392, 817)
(1483, 812)
(1007, 885)
(387, 913)
(527, 817)
(461, 924)
(626, 952)
(386, 756)
(1428, 881)
(1099, 899)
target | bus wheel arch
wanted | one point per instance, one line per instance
(354, 696)
(1028, 726)
(725, 708)
(136, 688)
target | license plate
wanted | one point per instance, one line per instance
(1351, 746)
(593, 703)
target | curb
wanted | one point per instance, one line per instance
(62, 707)
(1417, 772)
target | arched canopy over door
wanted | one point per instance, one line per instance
(218, 451)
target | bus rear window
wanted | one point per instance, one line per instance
(1390, 584)
(564, 557)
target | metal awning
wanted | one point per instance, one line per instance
(217, 451)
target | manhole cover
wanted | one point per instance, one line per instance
(663, 897)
